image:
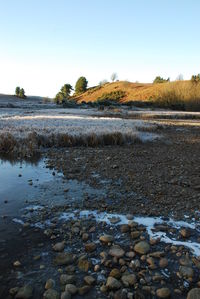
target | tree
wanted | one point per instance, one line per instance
(66, 90)
(17, 91)
(22, 93)
(195, 78)
(159, 79)
(113, 77)
(64, 94)
(179, 77)
(81, 85)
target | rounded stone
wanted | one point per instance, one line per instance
(142, 247)
(163, 293)
(116, 251)
(194, 294)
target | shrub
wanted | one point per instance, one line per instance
(159, 79)
(81, 85)
(111, 98)
(195, 78)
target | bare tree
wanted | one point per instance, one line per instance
(113, 77)
(179, 77)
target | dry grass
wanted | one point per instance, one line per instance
(134, 91)
(183, 95)
(34, 143)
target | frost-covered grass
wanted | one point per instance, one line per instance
(54, 127)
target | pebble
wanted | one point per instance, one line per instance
(129, 280)
(163, 293)
(66, 295)
(116, 251)
(90, 247)
(113, 284)
(59, 246)
(142, 247)
(51, 294)
(89, 280)
(71, 288)
(106, 239)
(25, 292)
(194, 294)
(64, 258)
(50, 284)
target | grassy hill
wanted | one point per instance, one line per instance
(183, 95)
(134, 91)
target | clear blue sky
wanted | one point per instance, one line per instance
(46, 43)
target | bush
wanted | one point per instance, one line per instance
(195, 78)
(159, 79)
(110, 98)
(81, 85)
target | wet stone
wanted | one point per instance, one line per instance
(142, 247)
(64, 258)
(116, 251)
(71, 288)
(51, 294)
(113, 284)
(50, 284)
(129, 280)
(25, 292)
(163, 293)
(194, 294)
(106, 239)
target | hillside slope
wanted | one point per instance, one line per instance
(134, 91)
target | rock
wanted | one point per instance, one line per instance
(51, 294)
(163, 293)
(163, 263)
(129, 216)
(142, 247)
(194, 294)
(90, 247)
(50, 284)
(124, 228)
(135, 234)
(17, 264)
(185, 261)
(120, 294)
(115, 273)
(13, 291)
(185, 233)
(89, 280)
(116, 251)
(66, 295)
(186, 272)
(67, 279)
(85, 237)
(113, 284)
(71, 288)
(59, 246)
(25, 292)
(84, 265)
(129, 280)
(106, 239)
(114, 220)
(63, 258)
(83, 290)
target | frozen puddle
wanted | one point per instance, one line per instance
(149, 222)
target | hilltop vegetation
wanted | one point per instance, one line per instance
(181, 95)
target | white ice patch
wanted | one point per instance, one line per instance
(19, 221)
(34, 208)
(148, 222)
